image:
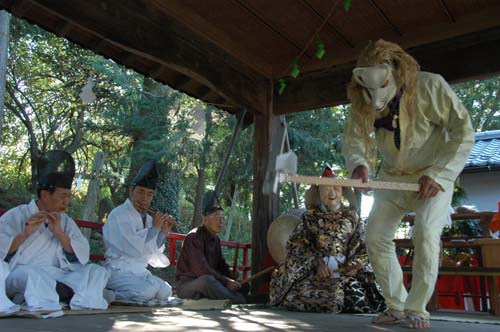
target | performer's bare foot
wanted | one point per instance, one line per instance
(416, 321)
(388, 317)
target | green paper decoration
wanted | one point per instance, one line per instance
(295, 69)
(347, 5)
(282, 87)
(320, 51)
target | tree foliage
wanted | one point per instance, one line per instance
(135, 118)
(482, 100)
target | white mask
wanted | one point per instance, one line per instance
(379, 84)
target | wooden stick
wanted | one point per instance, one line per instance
(352, 183)
(271, 268)
(258, 274)
(347, 268)
(152, 212)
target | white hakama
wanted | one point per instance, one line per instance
(40, 262)
(6, 305)
(131, 245)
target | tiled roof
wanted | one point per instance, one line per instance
(486, 150)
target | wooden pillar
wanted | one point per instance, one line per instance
(265, 207)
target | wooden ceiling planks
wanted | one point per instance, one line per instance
(354, 27)
(235, 48)
(462, 8)
(298, 26)
(233, 28)
(125, 25)
(432, 13)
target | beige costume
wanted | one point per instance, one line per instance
(437, 145)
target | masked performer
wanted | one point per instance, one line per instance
(329, 237)
(424, 135)
(135, 239)
(46, 252)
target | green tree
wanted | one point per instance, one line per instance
(41, 93)
(482, 99)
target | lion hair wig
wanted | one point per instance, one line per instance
(405, 70)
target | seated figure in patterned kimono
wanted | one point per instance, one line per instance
(329, 236)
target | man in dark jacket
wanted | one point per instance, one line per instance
(202, 270)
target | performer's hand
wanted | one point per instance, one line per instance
(233, 285)
(352, 273)
(168, 224)
(428, 187)
(54, 223)
(34, 222)
(323, 270)
(158, 220)
(361, 172)
(163, 222)
(235, 274)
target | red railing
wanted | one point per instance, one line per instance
(172, 245)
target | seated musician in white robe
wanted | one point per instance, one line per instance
(6, 305)
(134, 238)
(46, 252)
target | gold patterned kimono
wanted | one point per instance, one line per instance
(324, 235)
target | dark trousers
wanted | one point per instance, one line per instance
(206, 286)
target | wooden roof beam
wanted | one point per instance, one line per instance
(462, 58)
(63, 28)
(127, 59)
(314, 90)
(181, 82)
(157, 71)
(21, 7)
(142, 32)
(99, 46)
(203, 92)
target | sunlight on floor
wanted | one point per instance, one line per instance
(235, 320)
(259, 319)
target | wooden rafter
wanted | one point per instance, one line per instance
(447, 10)
(247, 5)
(381, 13)
(329, 25)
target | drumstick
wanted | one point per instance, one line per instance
(269, 269)
(258, 274)
(347, 268)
